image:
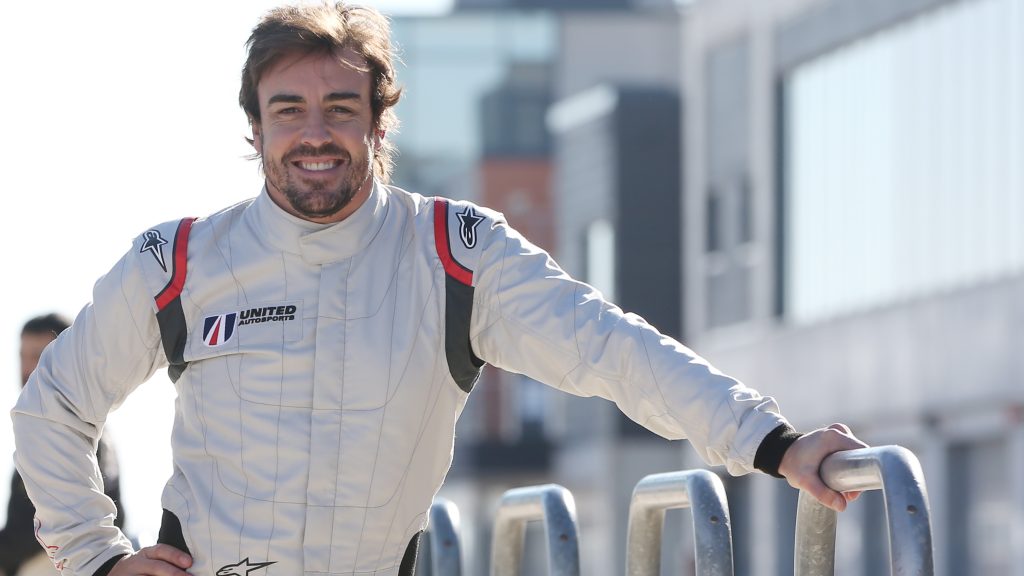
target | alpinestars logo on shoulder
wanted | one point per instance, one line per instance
(468, 221)
(154, 244)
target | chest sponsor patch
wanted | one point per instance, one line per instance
(221, 329)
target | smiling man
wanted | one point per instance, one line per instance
(323, 338)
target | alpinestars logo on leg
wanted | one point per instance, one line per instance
(243, 568)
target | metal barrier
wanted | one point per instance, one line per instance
(443, 536)
(703, 493)
(894, 470)
(555, 506)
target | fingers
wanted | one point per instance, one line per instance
(159, 560)
(845, 440)
(169, 554)
(851, 442)
(822, 493)
(841, 428)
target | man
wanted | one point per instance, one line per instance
(20, 554)
(323, 338)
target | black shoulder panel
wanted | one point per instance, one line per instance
(173, 333)
(462, 362)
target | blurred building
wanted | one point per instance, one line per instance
(823, 197)
(448, 65)
(854, 243)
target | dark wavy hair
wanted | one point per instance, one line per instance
(326, 28)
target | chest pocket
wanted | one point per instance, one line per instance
(259, 337)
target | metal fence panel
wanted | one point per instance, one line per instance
(552, 504)
(894, 470)
(443, 538)
(703, 493)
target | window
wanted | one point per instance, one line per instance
(902, 162)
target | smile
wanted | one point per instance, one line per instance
(318, 166)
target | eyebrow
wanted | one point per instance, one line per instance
(334, 96)
(296, 99)
(286, 98)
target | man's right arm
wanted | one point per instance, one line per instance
(112, 347)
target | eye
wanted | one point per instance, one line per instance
(285, 110)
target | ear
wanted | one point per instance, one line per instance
(257, 135)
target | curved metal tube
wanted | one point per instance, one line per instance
(699, 490)
(443, 528)
(896, 471)
(555, 506)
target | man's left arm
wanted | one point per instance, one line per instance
(530, 317)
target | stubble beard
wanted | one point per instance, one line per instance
(314, 198)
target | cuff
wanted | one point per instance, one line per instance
(773, 447)
(109, 565)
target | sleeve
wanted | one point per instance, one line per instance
(113, 346)
(530, 317)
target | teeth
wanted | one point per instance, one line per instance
(317, 166)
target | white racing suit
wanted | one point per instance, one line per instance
(320, 371)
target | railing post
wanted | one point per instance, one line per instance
(894, 470)
(443, 535)
(555, 506)
(703, 493)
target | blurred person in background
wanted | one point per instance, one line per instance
(324, 336)
(20, 553)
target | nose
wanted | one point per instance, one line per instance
(315, 131)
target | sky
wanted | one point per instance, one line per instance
(118, 115)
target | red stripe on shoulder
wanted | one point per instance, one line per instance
(444, 249)
(180, 265)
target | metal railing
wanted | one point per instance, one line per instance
(703, 493)
(555, 506)
(443, 537)
(894, 470)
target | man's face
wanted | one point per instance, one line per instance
(316, 134)
(32, 346)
